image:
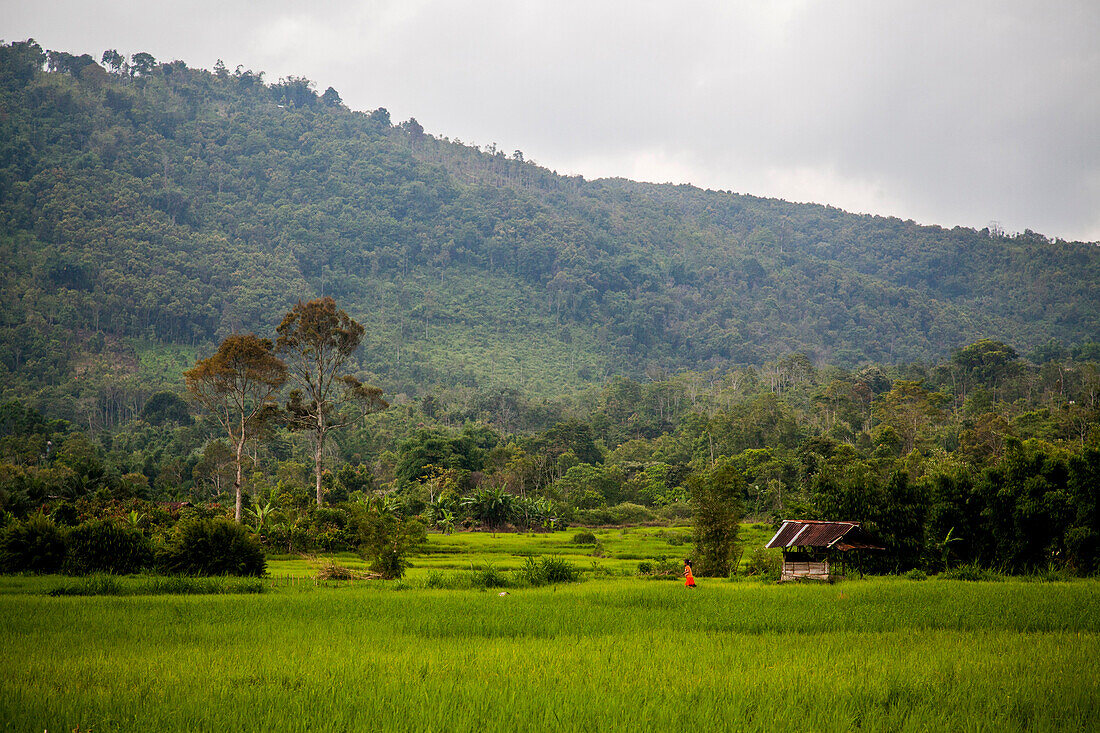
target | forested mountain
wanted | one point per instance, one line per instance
(148, 209)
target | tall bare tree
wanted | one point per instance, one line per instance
(237, 386)
(317, 339)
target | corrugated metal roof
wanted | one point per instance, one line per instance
(815, 533)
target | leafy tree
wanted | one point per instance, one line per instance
(986, 363)
(19, 62)
(163, 407)
(237, 386)
(142, 64)
(318, 338)
(910, 409)
(331, 98)
(716, 514)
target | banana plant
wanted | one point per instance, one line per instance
(445, 520)
(261, 513)
(945, 546)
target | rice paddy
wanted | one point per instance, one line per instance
(609, 653)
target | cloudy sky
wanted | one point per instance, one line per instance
(944, 112)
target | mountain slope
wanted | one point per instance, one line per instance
(168, 205)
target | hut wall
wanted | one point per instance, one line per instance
(805, 570)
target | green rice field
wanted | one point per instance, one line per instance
(612, 652)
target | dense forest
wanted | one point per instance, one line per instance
(553, 350)
(984, 459)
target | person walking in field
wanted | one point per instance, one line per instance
(689, 579)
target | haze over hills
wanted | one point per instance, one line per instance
(148, 209)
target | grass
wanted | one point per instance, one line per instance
(444, 650)
(617, 654)
(621, 550)
(112, 585)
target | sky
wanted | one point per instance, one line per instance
(949, 113)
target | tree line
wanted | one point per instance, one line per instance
(986, 458)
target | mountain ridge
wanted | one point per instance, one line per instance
(174, 205)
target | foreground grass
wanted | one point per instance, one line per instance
(618, 654)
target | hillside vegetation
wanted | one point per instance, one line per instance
(148, 208)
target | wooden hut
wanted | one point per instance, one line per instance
(812, 548)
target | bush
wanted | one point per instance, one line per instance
(488, 577)
(663, 569)
(675, 511)
(104, 547)
(548, 571)
(584, 538)
(916, 574)
(764, 565)
(212, 547)
(328, 530)
(386, 541)
(33, 546)
(595, 517)
(627, 513)
(970, 572)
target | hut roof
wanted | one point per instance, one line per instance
(828, 535)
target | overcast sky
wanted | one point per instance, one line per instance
(944, 112)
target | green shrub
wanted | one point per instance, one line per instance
(33, 546)
(764, 565)
(488, 577)
(211, 547)
(676, 511)
(104, 547)
(595, 517)
(916, 574)
(627, 513)
(329, 531)
(584, 538)
(386, 541)
(645, 568)
(548, 571)
(970, 572)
